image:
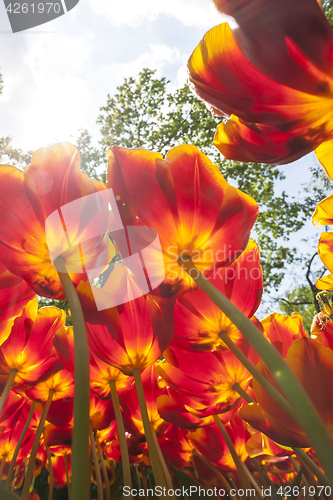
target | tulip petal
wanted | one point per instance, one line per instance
(280, 107)
(263, 28)
(190, 205)
(325, 250)
(325, 283)
(256, 416)
(312, 364)
(324, 212)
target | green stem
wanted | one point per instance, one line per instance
(19, 443)
(2, 465)
(297, 469)
(40, 428)
(154, 458)
(252, 480)
(215, 470)
(6, 494)
(80, 450)
(105, 474)
(136, 468)
(8, 386)
(96, 465)
(16, 472)
(257, 374)
(309, 464)
(306, 414)
(122, 437)
(237, 388)
(238, 463)
(161, 457)
(51, 479)
(69, 489)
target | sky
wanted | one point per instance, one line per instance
(58, 75)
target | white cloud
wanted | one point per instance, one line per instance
(46, 92)
(199, 13)
(158, 57)
(56, 81)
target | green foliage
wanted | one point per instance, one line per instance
(91, 158)
(60, 304)
(300, 300)
(13, 156)
(143, 114)
(328, 9)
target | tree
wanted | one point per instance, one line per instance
(143, 113)
(13, 156)
(328, 9)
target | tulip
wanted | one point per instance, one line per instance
(312, 364)
(198, 321)
(27, 200)
(186, 200)
(271, 76)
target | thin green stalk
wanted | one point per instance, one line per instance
(144, 479)
(6, 494)
(308, 463)
(237, 388)
(252, 480)
(238, 463)
(122, 437)
(96, 465)
(136, 468)
(105, 474)
(8, 386)
(80, 450)
(154, 458)
(297, 469)
(40, 428)
(256, 373)
(69, 489)
(19, 443)
(2, 465)
(306, 414)
(51, 479)
(215, 470)
(160, 456)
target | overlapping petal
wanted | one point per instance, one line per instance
(207, 379)
(14, 295)
(27, 199)
(312, 364)
(29, 347)
(263, 27)
(136, 337)
(198, 321)
(211, 444)
(187, 201)
(269, 78)
(325, 251)
(282, 330)
(100, 373)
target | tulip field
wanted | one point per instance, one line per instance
(158, 380)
